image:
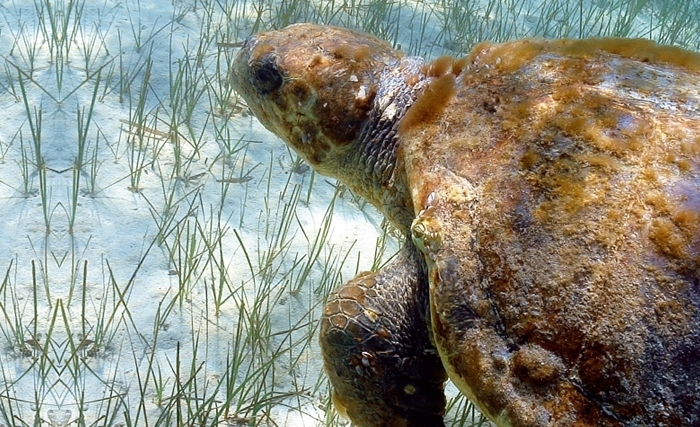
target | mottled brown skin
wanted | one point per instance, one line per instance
(303, 83)
(555, 187)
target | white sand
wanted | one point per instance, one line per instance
(47, 360)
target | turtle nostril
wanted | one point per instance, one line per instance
(249, 42)
(265, 75)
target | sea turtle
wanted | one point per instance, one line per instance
(550, 195)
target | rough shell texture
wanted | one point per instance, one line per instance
(555, 187)
(563, 179)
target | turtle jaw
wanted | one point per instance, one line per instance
(281, 101)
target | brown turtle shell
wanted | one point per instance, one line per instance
(561, 182)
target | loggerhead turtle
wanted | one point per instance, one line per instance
(550, 192)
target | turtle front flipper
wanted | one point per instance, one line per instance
(377, 350)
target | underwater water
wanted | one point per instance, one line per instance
(165, 258)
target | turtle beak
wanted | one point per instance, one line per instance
(241, 64)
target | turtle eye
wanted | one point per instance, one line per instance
(266, 75)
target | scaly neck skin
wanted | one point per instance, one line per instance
(371, 163)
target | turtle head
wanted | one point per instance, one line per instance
(313, 86)
(336, 96)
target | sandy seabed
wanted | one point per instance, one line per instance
(158, 245)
